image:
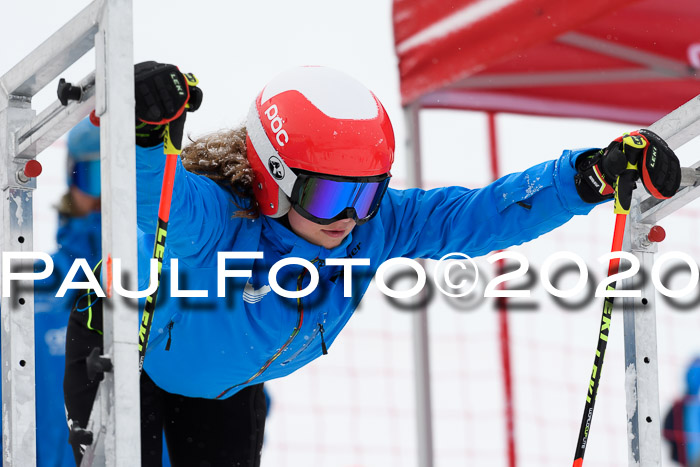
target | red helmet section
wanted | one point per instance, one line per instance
(319, 120)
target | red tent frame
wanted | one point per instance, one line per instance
(619, 60)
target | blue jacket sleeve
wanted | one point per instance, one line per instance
(201, 212)
(512, 210)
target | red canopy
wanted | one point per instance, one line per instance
(623, 60)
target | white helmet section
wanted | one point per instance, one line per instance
(320, 86)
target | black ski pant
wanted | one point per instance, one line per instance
(198, 432)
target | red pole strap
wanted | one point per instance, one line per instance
(618, 236)
(166, 195)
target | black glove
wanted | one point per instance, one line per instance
(162, 96)
(613, 171)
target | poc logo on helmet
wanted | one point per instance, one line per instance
(276, 125)
(276, 168)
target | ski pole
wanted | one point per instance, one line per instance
(613, 267)
(172, 152)
(166, 196)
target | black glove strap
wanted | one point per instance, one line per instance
(591, 184)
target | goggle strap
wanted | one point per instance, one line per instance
(282, 174)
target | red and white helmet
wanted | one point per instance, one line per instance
(316, 120)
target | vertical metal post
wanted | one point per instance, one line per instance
(115, 107)
(18, 409)
(641, 367)
(421, 340)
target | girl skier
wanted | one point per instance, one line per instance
(307, 178)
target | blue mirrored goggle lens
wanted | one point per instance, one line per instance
(326, 199)
(86, 176)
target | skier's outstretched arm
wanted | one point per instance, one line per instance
(522, 206)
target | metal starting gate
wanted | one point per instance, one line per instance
(106, 27)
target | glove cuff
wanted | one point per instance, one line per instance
(148, 135)
(591, 183)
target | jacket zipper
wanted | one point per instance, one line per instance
(319, 330)
(295, 331)
(170, 337)
(153, 343)
(324, 349)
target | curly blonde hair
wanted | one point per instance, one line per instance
(221, 156)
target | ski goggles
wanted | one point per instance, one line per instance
(325, 199)
(85, 175)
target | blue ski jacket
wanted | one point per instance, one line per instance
(213, 346)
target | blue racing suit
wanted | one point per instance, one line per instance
(213, 346)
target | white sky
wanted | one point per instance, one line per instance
(234, 47)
